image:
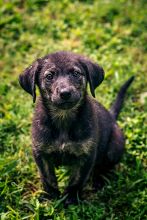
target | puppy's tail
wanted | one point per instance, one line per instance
(117, 105)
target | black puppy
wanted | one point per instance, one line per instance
(69, 127)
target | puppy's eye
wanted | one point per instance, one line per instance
(76, 73)
(49, 75)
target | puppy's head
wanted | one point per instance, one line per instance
(62, 78)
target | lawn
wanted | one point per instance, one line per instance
(112, 33)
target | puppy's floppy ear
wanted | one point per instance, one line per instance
(95, 74)
(28, 78)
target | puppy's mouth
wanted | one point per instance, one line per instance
(70, 103)
(66, 105)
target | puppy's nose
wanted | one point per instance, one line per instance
(65, 94)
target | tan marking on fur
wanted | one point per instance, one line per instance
(48, 70)
(62, 146)
(76, 148)
(61, 116)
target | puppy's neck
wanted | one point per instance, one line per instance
(63, 118)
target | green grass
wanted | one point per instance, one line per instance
(113, 33)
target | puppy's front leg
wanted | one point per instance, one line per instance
(47, 173)
(79, 175)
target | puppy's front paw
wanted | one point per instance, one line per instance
(50, 193)
(98, 183)
(71, 199)
(49, 196)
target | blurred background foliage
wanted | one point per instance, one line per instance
(114, 34)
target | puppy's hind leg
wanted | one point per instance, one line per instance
(113, 155)
(116, 145)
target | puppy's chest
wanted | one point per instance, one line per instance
(64, 143)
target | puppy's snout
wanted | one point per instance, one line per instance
(65, 94)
